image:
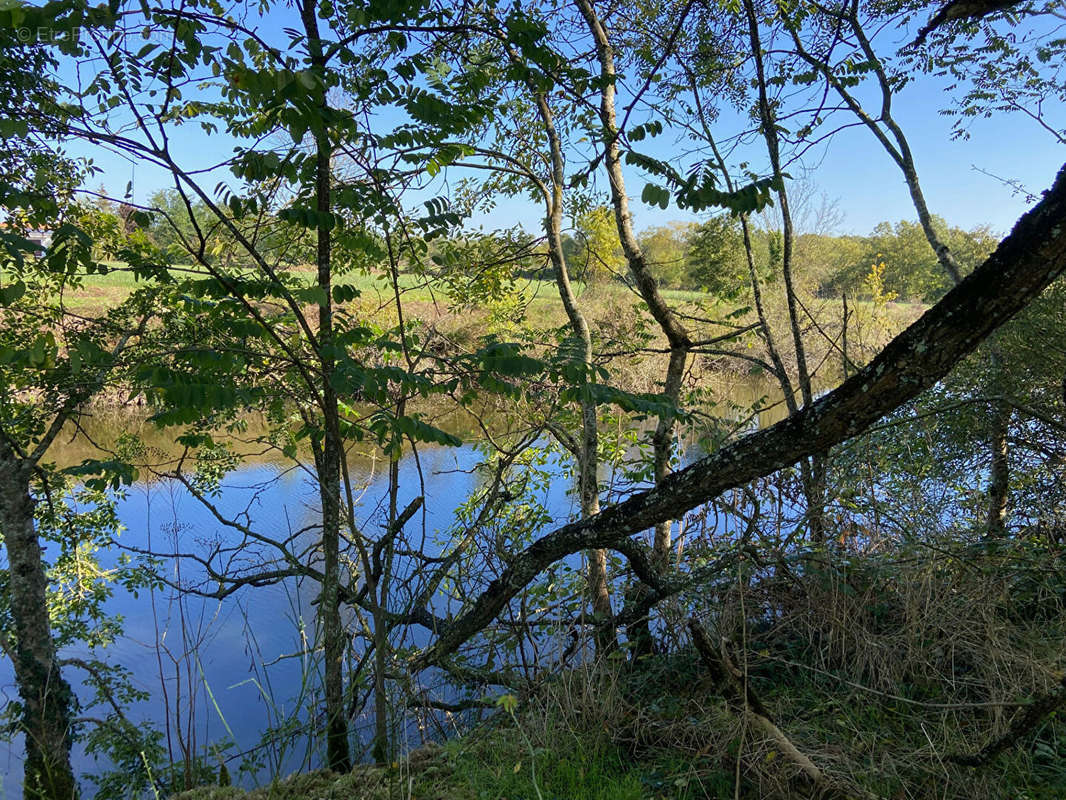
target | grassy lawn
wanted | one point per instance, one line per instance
(607, 306)
(99, 292)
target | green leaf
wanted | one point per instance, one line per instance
(312, 294)
(10, 294)
(345, 293)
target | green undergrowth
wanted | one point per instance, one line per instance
(886, 672)
(489, 764)
(665, 736)
(534, 755)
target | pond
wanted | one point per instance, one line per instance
(228, 670)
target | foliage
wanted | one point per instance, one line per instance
(715, 258)
(665, 250)
(911, 270)
(297, 283)
(481, 271)
(598, 256)
(1000, 63)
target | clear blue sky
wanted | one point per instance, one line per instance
(870, 187)
(851, 169)
(854, 171)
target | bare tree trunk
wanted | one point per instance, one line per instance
(329, 461)
(379, 587)
(333, 640)
(332, 630)
(999, 449)
(587, 450)
(677, 336)
(663, 444)
(329, 492)
(999, 475)
(883, 126)
(765, 331)
(813, 469)
(46, 696)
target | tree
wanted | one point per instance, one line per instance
(665, 246)
(911, 269)
(50, 365)
(600, 258)
(715, 256)
(332, 130)
(251, 309)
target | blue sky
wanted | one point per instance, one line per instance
(870, 187)
(851, 170)
(855, 172)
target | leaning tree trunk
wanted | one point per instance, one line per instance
(675, 332)
(46, 696)
(1024, 264)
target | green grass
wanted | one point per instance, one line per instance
(99, 292)
(487, 765)
(499, 766)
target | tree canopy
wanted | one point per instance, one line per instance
(304, 286)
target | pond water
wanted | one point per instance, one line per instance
(230, 669)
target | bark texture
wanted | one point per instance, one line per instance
(46, 696)
(328, 456)
(1023, 265)
(999, 471)
(586, 451)
(675, 332)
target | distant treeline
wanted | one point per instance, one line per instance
(893, 262)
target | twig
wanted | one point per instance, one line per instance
(730, 680)
(1035, 713)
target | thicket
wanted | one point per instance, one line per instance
(860, 599)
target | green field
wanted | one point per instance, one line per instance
(99, 292)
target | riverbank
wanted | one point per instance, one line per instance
(731, 374)
(666, 728)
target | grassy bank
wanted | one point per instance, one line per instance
(483, 766)
(905, 674)
(620, 322)
(541, 753)
(99, 292)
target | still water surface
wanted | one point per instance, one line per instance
(230, 669)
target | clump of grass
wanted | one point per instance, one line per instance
(492, 762)
(885, 668)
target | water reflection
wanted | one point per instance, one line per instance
(229, 669)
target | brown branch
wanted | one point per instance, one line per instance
(1035, 713)
(738, 692)
(1023, 265)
